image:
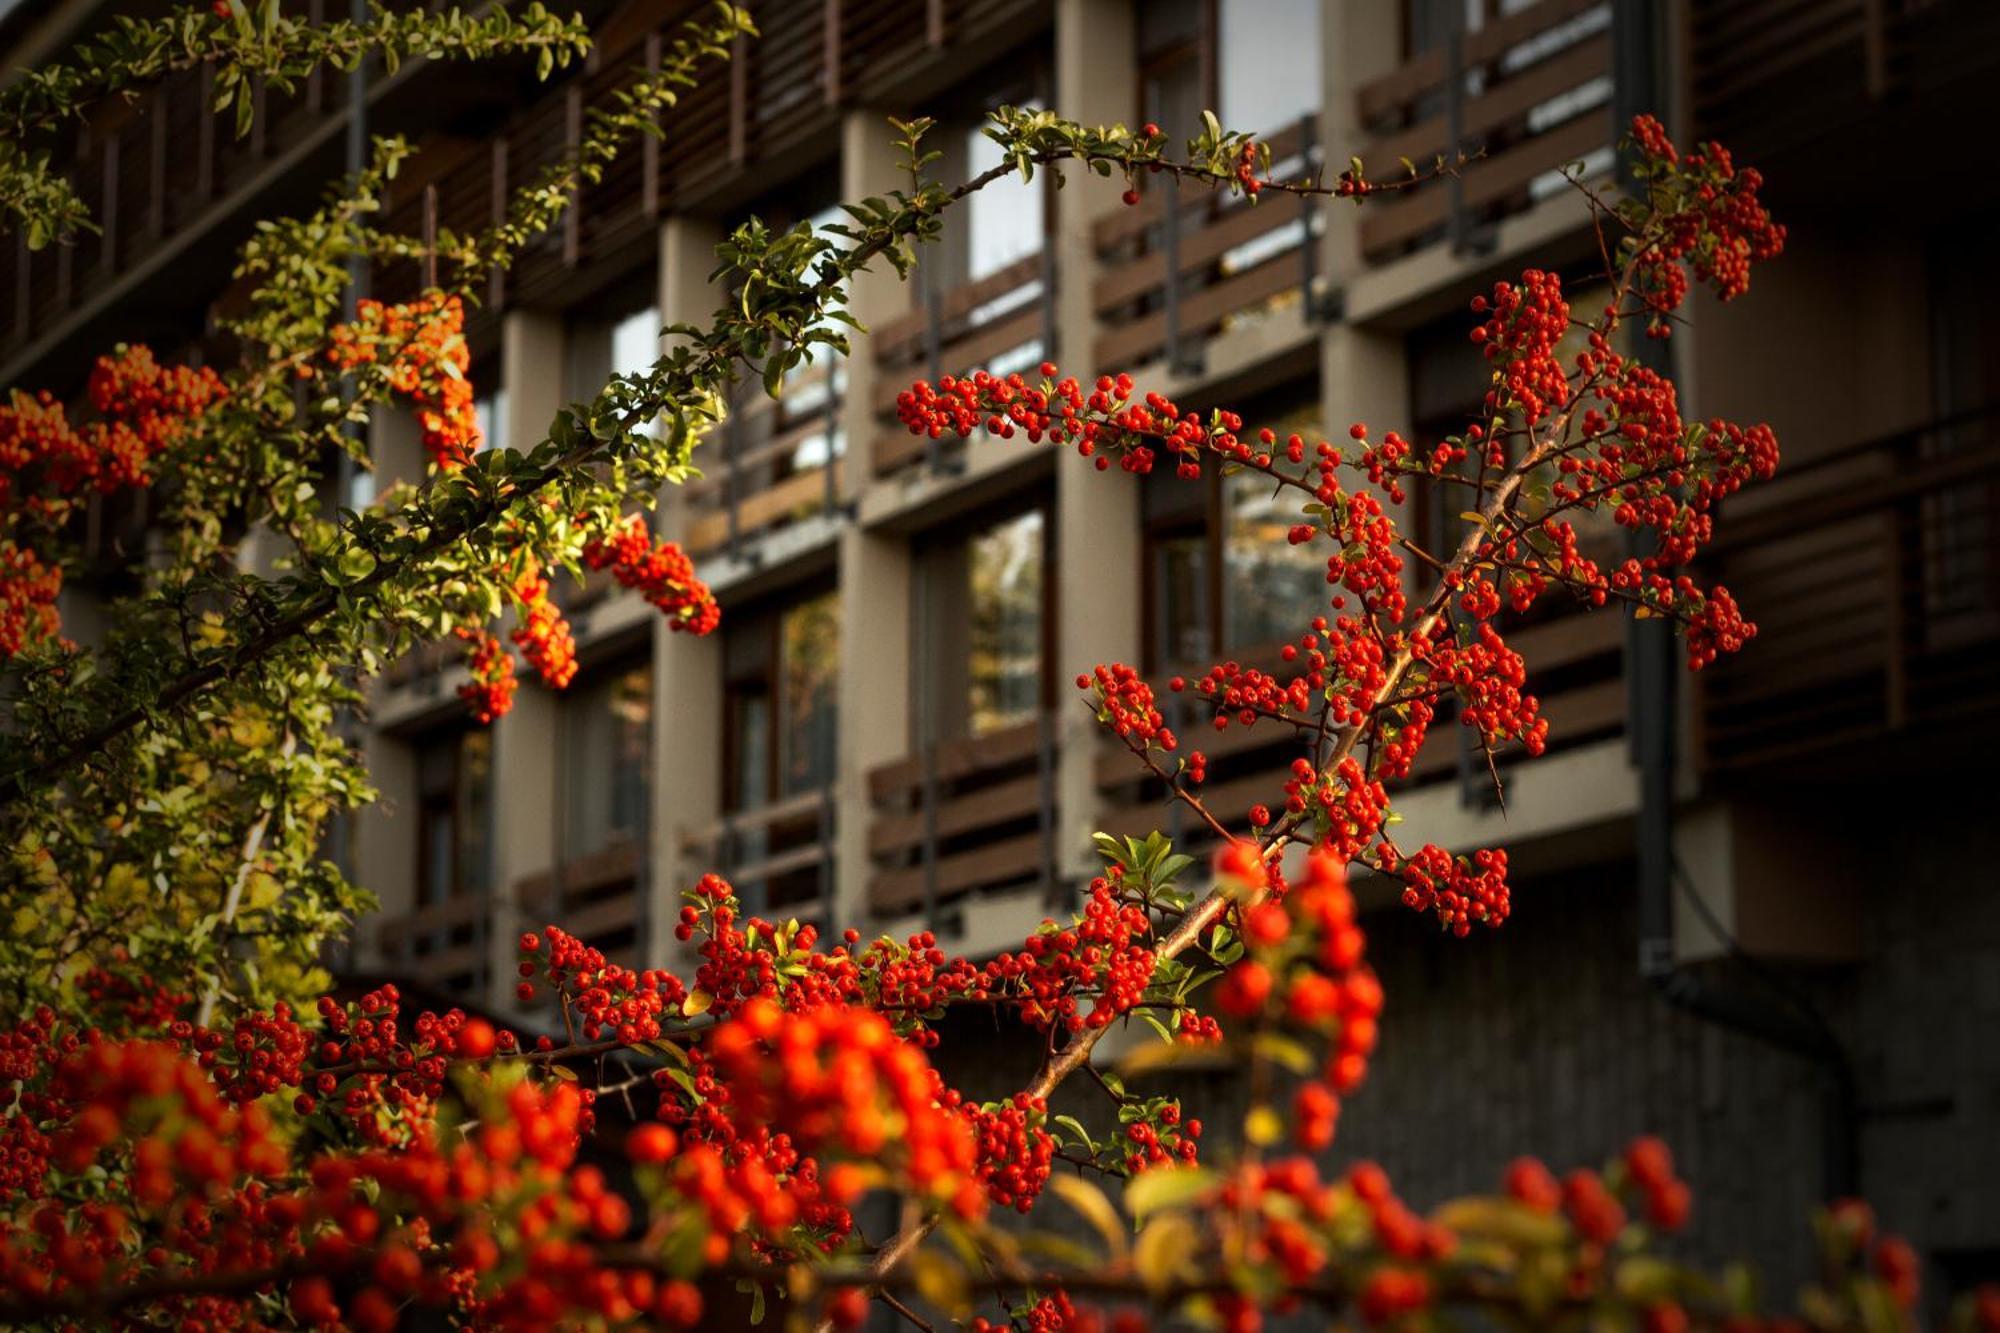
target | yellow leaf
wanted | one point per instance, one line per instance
(1091, 1205)
(1163, 1250)
(697, 1002)
(1500, 1219)
(1263, 1126)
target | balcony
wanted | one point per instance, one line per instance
(772, 463)
(164, 175)
(443, 945)
(1002, 322)
(1575, 667)
(962, 817)
(1874, 577)
(779, 857)
(1186, 263)
(1528, 93)
(1773, 74)
(596, 897)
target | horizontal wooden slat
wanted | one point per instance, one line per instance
(1119, 283)
(957, 759)
(972, 351)
(1001, 803)
(996, 863)
(1130, 343)
(1503, 105)
(1485, 181)
(902, 338)
(618, 912)
(1382, 96)
(799, 492)
(463, 910)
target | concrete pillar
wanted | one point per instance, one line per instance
(531, 367)
(875, 688)
(527, 756)
(385, 837)
(1099, 583)
(868, 167)
(1361, 40)
(687, 671)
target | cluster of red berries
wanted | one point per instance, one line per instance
(50, 465)
(1015, 1151)
(490, 692)
(662, 572)
(1126, 707)
(1305, 967)
(1712, 217)
(1523, 331)
(419, 348)
(543, 634)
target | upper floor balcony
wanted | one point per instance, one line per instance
(1873, 574)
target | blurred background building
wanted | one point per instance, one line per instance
(1756, 911)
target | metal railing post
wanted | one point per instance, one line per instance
(1308, 211)
(826, 855)
(830, 491)
(732, 437)
(930, 853)
(1454, 121)
(1170, 240)
(1045, 799)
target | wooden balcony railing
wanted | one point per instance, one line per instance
(1766, 74)
(1874, 577)
(1575, 669)
(779, 857)
(443, 945)
(963, 816)
(150, 168)
(1528, 93)
(596, 897)
(988, 324)
(1183, 263)
(154, 169)
(771, 463)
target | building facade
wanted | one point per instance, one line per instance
(1771, 934)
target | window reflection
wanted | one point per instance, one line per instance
(609, 736)
(455, 786)
(1004, 574)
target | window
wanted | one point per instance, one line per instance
(627, 343)
(781, 672)
(607, 744)
(1004, 219)
(1004, 661)
(1220, 575)
(489, 412)
(455, 815)
(979, 651)
(1268, 65)
(781, 669)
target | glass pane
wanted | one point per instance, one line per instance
(1180, 612)
(475, 812)
(810, 645)
(438, 870)
(1005, 657)
(1270, 63)
(1265, 579)
(750, 739)
(489, 411)
(1006, 216)
(631, 707)
(609, 725)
